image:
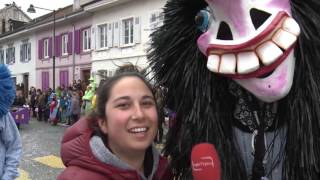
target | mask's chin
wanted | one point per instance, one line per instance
(276, 85)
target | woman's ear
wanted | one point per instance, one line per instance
(103, 125)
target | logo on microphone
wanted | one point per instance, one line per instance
(202, 163)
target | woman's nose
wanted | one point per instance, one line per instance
(138, 112)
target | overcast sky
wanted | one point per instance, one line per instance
(49, 4)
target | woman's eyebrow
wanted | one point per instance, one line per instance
(121, 98)
(148, 97)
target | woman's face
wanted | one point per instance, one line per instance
(131, 116)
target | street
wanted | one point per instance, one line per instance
(41, 151)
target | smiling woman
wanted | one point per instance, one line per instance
(115, 142)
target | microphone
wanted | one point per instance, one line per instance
(205, 162)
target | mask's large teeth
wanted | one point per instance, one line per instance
(291, 26)
(228, 64)
(268, 52)
(213, 63)
(284, 39)
(247, 62)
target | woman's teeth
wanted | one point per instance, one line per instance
(138, 130)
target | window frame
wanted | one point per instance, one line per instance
(103, 38)
(10, 55)
(46, 48)
(129, 30)
(156, 19)
(64, 44)
(86, 40)
(2, 58)
(26, 55)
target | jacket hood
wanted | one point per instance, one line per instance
(76, 151)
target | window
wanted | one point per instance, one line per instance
(1, 56)
(45, 80)
(10, 55)
(25, 52)
(110, 73)
(156, 19)
(127, 31)
(64, 78)
(64, 44)
(103, 36)
(46, 48)
(86, 40)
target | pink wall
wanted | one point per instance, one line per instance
(62, 63)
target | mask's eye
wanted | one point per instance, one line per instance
(202, 20)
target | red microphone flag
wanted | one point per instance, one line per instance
(205, 162)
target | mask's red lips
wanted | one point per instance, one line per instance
(258, 56)
(264, 70)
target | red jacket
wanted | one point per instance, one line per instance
(81, 164)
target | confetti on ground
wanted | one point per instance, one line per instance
(51, 160)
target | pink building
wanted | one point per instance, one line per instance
(72, 49)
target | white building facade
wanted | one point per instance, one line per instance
(120, 33)
(18, 52)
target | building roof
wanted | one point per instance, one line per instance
(45, 19)
(13, 5)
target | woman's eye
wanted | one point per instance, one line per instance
(202, 20)
(148, 103)
(123, 105)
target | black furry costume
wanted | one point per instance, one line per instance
(205, 106)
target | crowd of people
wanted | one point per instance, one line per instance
(62, 105)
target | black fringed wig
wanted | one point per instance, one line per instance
(204, 106)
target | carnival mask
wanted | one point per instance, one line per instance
(252, 42)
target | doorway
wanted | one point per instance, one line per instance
(86, 75)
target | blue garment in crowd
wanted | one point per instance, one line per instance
(10, 148)
(10, 143)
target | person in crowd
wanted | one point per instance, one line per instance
(19, 99)
(79, 84)
(63, 107)
(74, 108)
(41, 105)
(46, 110)
(87, 98)
(58, 92)
(38, 94)
(33, 95)
(68, 112)
(10, 142)
(54, 109)
(116, 140)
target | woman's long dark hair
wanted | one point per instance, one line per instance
(205, 107)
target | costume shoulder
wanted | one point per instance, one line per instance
(7, 90)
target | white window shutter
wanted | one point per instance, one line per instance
(109, 34)
(29, 51)
(21, 53)
(97, 38)
(116, 34)
(13, 55)
(137, 30)
(121, 34)
(92, 38)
